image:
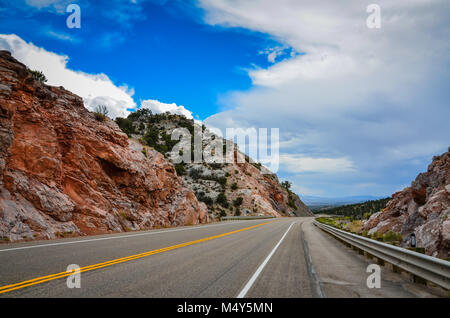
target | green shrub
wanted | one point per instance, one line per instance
(180, 169)
(238, 202)
(151, 137)
(140, 114)
(291, 202)
(392, 237)
(222, 200)
(203, 198)
(100, 113)
(215, 166)
(38, 76)
(286, 184)
(222, 181)
(195, 174)
(234, 186)
(257, 165)
(125, 125)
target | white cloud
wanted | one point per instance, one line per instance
(299, 163)
(59, 6)
(95, 89)
(158, 108)
(61, 36)
(273, 53)
(376, 97)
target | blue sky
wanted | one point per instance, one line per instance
(159, 48)
(361, 111)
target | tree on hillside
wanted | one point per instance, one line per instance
(287, 185)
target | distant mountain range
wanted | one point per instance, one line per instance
(313, 201)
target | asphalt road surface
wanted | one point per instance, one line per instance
(286, 257)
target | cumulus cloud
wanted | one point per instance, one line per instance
(298, 163)
(274, 53)
(158, 107)
(375, 97)
(58, 6)
(95, 89)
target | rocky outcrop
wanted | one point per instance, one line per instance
(423, 209)
(63, 172)
(240, 187)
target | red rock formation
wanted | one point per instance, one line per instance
(249, 189)
(64, 172)
(422, 209)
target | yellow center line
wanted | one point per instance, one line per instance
(43, 279)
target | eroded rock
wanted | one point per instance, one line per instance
(62, 172)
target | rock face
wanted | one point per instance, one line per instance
(234, 187)
(62, 172)
(422, 209)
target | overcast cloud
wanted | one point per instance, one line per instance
(360, 110)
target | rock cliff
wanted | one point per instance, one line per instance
(239, 187)
(423, 209)
(64, 172)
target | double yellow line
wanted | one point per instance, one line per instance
(43, 279)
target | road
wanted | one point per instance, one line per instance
(286, 257)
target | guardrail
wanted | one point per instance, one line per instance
(250, 217)
(429, 268)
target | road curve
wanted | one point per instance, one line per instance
(286, 257)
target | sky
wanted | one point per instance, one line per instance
(360, 111)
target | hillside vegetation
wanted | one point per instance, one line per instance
(357, 211)
(240, 187)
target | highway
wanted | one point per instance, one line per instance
(286, 257)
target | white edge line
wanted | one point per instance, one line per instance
(118, 237)
(252, 280)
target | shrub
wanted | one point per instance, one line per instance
(367, 216)
(286, 184)
(38, 76)
(144, 151)
(215, 166)
(180, 169)
(141, 113)
(126, 125)
(101, 112)
(238, 202)
(234, 186)
(207, 200)
(222, 200)
(291, 202)
(222, 181)
(151, 137)
(195, 174)
(257, 165)
(238, 212)
(392, 237)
